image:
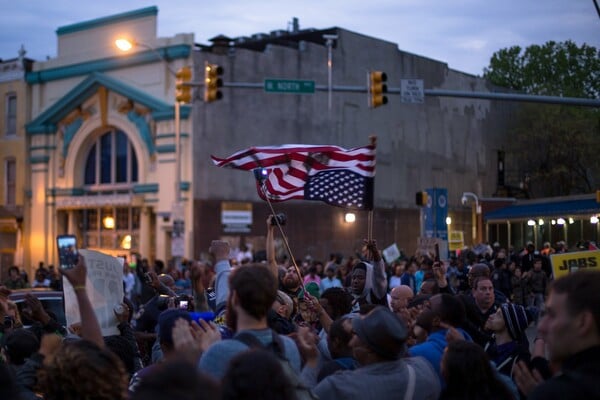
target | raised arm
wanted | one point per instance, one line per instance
(90, 329)
(219, 249)
(380, 282)
(270, 243)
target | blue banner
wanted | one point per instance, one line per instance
(435, 213)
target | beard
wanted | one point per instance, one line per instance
(291, 283)
(230, 316)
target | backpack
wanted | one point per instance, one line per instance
(277, 347)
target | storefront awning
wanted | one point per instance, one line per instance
(562, 207)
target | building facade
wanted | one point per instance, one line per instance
(14, 113)
(103, 139)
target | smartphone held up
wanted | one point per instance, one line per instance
(67, 251)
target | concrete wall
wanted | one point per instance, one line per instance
(446, 142)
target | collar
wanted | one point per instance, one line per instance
(587, 356)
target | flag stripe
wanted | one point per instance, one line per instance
(337, 176)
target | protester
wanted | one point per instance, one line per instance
(369, 282)
(256, 374)
(469, 375)
(252, 291)
(176, 379)
(505, 349)
(448, 312)
(15, 281)
(338, 345)
(330, 280)
(67, 366)
(570, 328)
(378, 345)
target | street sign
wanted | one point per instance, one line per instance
(289, 86)
(411, 91)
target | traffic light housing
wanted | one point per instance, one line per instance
(183, 91)
(212, 82)
(421, 199)
(377, 89)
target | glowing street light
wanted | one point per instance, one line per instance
(124, 44)
(350, 217)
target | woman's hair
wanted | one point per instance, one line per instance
(176, 379)
(469, 375)
(11, 305)
(245, 381)
(82, 370)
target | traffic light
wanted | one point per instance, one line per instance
(212, 82)
(421, 198)
(183, 91)
(377, 88)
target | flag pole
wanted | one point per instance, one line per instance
(373, 140)
(285, 241)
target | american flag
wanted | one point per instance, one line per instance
(339, 177)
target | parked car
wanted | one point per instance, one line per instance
(51, 300)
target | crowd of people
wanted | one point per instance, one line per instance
(354, 327)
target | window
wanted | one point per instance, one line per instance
(111, 166)
(11, 182)
(111, 161)
(11, 115)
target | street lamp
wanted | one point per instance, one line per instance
(125, 44)
(475, 214)
(349, 217)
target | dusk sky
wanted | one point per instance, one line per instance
(462, 33)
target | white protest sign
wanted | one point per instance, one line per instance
(391, 253)
(104, 287)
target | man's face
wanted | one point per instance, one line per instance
(537, 265)
(360, 350)
(557, 327)
(290, 279)
(484, 294)
(359, 277)
(412, 268)
(400, 298)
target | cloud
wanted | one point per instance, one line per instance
(462, 33)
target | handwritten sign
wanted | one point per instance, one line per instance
(104, 287)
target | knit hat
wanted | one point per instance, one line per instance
(166, 323)
(515, 319)
(313, 289)
(383, 332)
(19, 345)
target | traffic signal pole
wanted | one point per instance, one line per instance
(574, 101)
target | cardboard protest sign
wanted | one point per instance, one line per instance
(426, 246)
(391, 253)
(565, 263)
(104, 287)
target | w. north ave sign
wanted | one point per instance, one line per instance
(289, 86)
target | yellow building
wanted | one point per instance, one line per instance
(14, 112)
(103, 135)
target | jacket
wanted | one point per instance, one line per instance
(578, 379)
(385, 380)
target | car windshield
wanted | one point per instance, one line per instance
(52, 304)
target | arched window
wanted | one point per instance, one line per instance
(111, 162)
(111, 167)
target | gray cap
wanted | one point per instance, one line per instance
(383, 332)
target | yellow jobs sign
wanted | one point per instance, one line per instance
(565, 263)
